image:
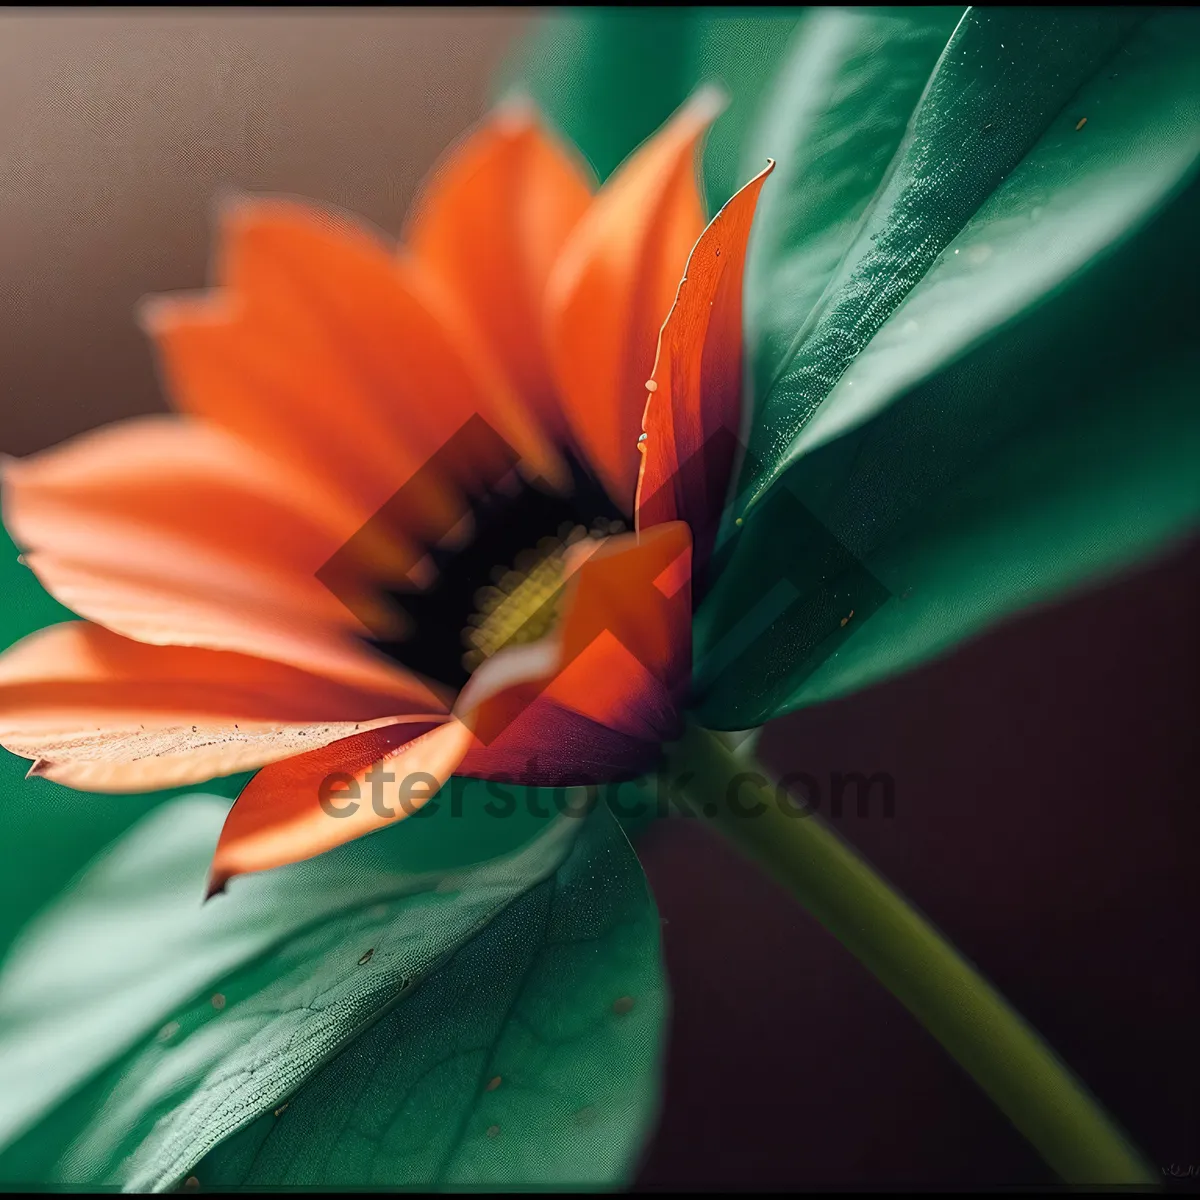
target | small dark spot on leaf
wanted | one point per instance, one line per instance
(1082, 123)
(493, 1131)
(623, 1005)
(282, 1108)
(493, 1084)
(218, 1001)
(366, 958)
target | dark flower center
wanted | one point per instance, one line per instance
(503, 586)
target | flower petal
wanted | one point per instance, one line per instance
(593, 704)
(330, 350)
(174, 533)
(597, 701)
(693, 412)
(612, 288)
(313, 802)
(490, 224)
(97, 711)
(544, 741)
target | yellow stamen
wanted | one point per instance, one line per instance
(523, 604)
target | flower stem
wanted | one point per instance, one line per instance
(973, 1022)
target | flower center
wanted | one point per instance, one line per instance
(503, 585)
(524, 601)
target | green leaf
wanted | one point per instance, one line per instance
(560, 999)
(120, 1067)
(952, 436)
(833, 121)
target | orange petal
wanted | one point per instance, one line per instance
(637, 590)
(604, 694)
(542, 740)
(490, 224)
(98, 711)
(341, 359)
(614, 676)
(306, 805)
(612, 287)
(171, 532)
(693, 411)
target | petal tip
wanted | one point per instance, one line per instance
(215, 886)
(157, 314)
(515, 112)
(152, 312)
(38, 769)
(229, 201)
(707, 103)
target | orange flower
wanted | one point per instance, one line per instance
(381, 542)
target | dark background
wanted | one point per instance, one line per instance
(1047, 775)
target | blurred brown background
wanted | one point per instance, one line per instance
(117, 131)
(1047, 776)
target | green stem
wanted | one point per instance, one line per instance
(1009, 1061)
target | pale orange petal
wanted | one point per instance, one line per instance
(98, 711)
(490, 224)
(334, 353)
(612, 288)
(693, 411)
(170, 532)
(311, 803)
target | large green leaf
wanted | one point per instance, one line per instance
(993, 398)
(837, 113)
(119, 1066)
(560, 999)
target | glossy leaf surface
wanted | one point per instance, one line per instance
(990, 399)
(177, 1024)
